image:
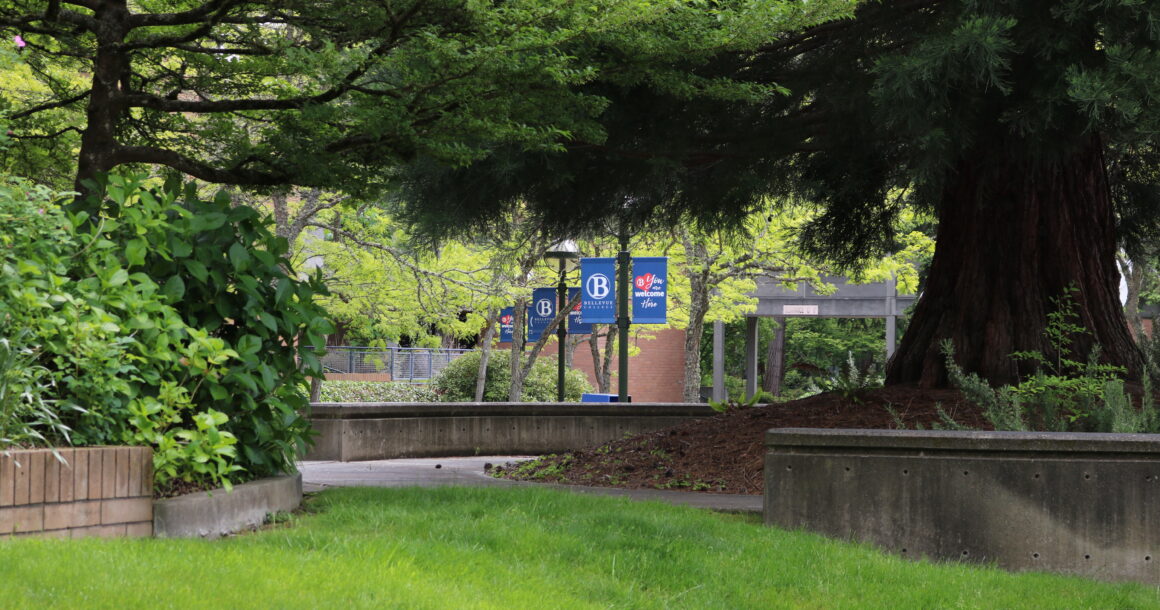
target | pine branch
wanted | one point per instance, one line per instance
(197, 169)
(51, 105)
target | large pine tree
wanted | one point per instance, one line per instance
(1000, 117)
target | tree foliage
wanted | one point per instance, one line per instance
(1024, 126)
(338, 93)
(166, 320)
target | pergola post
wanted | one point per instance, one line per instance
(750, 357)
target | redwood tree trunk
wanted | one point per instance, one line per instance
(1012, 235)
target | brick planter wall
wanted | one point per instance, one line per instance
(97, 491)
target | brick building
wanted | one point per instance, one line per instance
(656, 374)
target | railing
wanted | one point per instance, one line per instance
(404, 364)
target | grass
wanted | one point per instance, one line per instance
(515, 548)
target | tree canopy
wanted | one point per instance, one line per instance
(338, 94)
(1024, 126)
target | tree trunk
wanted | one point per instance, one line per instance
(485, 355)
(281, 214)
(698, 306)
(1012, 235)
(106, 103)
(516, 390)
(698, 270)
(775, 360)
(1133, 272)
(602, 362)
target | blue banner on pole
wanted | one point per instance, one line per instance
(650, 288)
(507, 324)
(575, 326)
(543, 309)
(598, 302)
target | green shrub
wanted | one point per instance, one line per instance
(456, 383)
(375, 391)
(850, 382)
(162, 319)
(1062, 394)
(226, 274)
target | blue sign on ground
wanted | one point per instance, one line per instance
(507, 324)
(575, 326)
(543, 309)
(598, 303)
(650, 289)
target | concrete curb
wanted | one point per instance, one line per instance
(468, 471)
(216, 513)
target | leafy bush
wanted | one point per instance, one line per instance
(456, 383)
(226, 273)
(152, 318)
(375, 391)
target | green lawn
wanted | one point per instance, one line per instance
(515, 548)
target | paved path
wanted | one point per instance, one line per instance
(431, 472)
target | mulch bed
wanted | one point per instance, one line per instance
(724, 453)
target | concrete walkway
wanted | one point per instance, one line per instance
(432, 472)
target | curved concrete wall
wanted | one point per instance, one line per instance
(219, 512)
(1085, 504)
(376, 431)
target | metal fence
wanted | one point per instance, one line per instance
(407, 364)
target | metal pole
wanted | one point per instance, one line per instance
(623, 260)
(561, 332)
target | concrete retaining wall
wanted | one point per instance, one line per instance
(216, 513)
(92, 491)
(375, 431)
(1086, 504)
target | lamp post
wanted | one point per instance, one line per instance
(565, 253)
(623, 261)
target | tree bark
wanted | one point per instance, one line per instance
(698, 306)
(516, 390)
(1014, 234)
(1133, 272)
(775, 360)
(106, 103)
(485, 355)
(602, 361)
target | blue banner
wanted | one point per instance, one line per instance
(575, 326)
(507, 324)
(597, 278)
(542, 310)
(650, 288)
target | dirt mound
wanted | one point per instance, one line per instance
(723, 454)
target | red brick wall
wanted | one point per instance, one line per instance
(656, 374)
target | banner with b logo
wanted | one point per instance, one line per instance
(542, 310)
(597, 279)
